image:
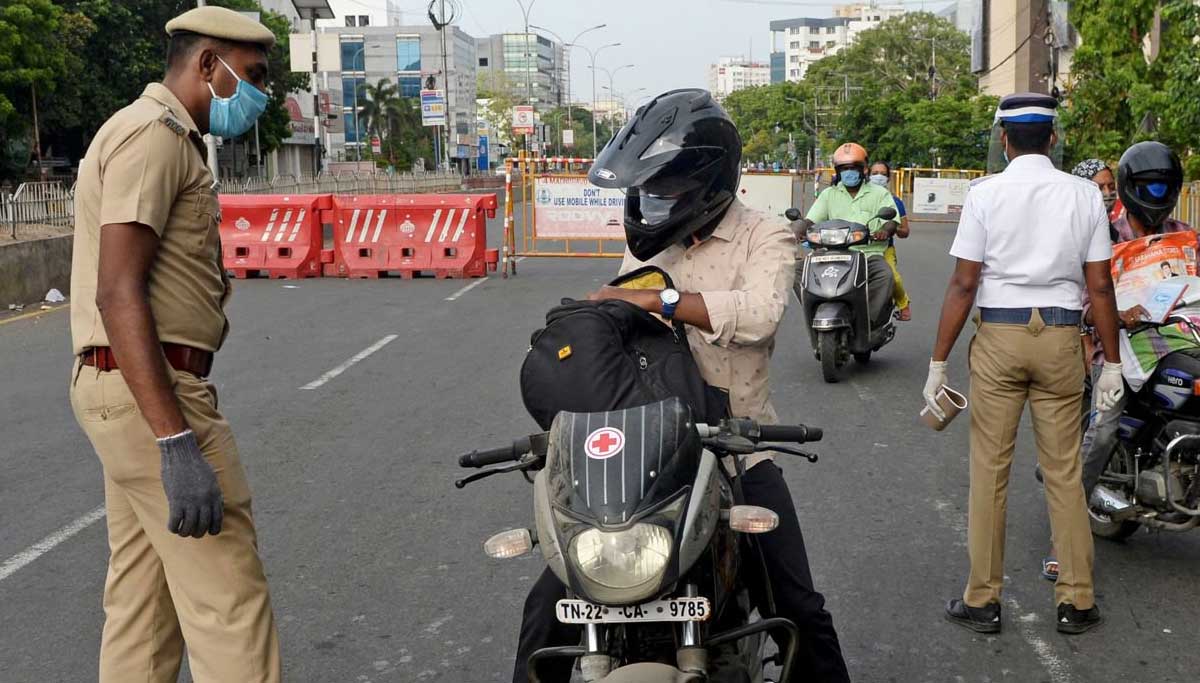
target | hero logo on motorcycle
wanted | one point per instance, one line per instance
(604, 443)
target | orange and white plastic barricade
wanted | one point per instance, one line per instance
(276, 236)
(441, 235)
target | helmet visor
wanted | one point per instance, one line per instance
(651, 209)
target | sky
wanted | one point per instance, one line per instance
(669, 42)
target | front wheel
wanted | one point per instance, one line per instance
(827, 342)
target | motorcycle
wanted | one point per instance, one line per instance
(835, 293)
(1153, 478)
(638, 518)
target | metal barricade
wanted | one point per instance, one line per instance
(521, 233)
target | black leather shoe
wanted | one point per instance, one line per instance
(1074, 621)
(984, 619)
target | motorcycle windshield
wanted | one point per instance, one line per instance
(611, 467)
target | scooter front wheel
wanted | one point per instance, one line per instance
(827, 342)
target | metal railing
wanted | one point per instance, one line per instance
(348, 183)
(37, 207)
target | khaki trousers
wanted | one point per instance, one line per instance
(1012, 364)
(163, 590)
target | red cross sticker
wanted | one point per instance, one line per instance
(604, 443)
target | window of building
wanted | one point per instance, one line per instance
(795, 59)
(351, 131)
(794, 72)
(483, 61)
(795, 45)
(353, 54)
(829, 30)
(830, 44)
(364, 20)
(351, 20)
(408, 53)
(410, 85)
(349, 83)
(814, 45)
(794, 30)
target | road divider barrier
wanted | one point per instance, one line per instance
(275, 236)
(444, 236)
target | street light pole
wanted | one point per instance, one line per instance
(571, 44)
(592, 55)
(357, 86)
(528, 62)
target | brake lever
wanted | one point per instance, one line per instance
(521, 465)
(811, 457)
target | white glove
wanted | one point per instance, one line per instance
(934, 384)
(1109, 388)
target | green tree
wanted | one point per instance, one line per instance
(767, 115)
(899, 100)
(32, 56)
(115, 47)
(397, 122)
(1117, 96)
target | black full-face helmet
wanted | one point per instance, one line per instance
(678, 162)
(1149, 179)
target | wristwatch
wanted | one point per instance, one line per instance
(669, 299)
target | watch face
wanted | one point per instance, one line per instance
(670, 296)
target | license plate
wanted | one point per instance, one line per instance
(671, 609)
(831, 258)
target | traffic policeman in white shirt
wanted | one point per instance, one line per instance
(1029, 241)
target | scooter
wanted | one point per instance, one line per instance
(643, 525)
(836, 295)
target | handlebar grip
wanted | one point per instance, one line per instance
(792, 433)
(488, 457)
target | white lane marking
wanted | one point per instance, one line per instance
(1053, 664)
(461, 222)
(464, 290)
(12, 564)
(437, 214)
(283, 226)
(362, 236)
(296, 227)
(353, 224)
(354, 360)
(379, 225)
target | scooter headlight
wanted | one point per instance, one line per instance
(623, 559)
(834, 237)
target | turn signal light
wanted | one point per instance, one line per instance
(507, 544)
(752, 519)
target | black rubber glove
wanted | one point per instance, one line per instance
(194, 497)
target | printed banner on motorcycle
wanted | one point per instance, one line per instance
(939, 195)
(567, 207)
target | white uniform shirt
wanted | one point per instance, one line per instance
(1033, 227)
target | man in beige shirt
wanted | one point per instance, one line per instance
(678, 161)
(147, 315)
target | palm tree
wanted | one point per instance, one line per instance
(376, 112)
(392, 118)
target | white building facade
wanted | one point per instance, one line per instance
(797, 43)
(731, 74)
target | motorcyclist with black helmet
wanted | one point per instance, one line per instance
(678, 161)
(1149, 180)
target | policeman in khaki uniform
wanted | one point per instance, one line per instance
(146, 317)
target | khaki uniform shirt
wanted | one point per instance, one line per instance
(147, 165)
(744, 272)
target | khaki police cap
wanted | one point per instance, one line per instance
(225, 24)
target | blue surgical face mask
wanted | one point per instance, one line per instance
(229, 117)
(879, 179)
(851, 177)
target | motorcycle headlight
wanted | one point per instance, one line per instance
(623, 559)
(835, 238)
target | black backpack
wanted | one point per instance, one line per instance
(595, 356)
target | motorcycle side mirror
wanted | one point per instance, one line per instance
(887, 213)
(792, 214)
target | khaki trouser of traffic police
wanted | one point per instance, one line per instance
(163, 590)
(1012, 364)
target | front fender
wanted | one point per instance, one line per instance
(831, 315)
(650, 673)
